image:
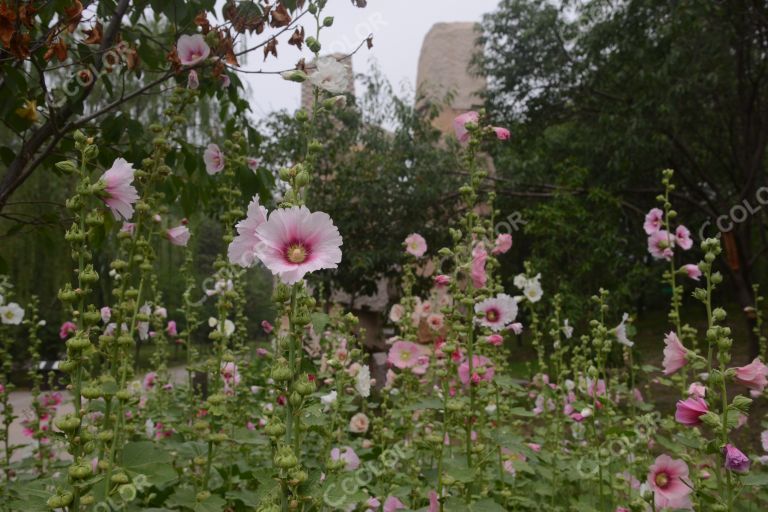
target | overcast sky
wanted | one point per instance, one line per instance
(398, 28)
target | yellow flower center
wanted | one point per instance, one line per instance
(492, 315)
(662, 480)
(405, 355)
(296, 253)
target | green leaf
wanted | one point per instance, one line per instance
(319, 321)
(146, 458)
(755, 479)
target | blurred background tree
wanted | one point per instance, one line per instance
(602, 96)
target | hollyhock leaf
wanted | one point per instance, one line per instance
(319, 321)
(524, 413)
(486, 505)
(145, 458)
(755, 479)
(426, 403)
(244, 496)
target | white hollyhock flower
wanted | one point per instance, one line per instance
(520, 281)
(143, 327)
(533, 291)
(149, 428)
(12, 314)
(328, 399)
(363, 384)
(229, 327)
(331, 76)
(567, 329)
(621, 332)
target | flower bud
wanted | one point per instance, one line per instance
(295, 76)
(313, 44)
(66, 166)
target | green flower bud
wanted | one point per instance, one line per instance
(295, 75)
(91, 152)
(313, 44)
(274, 428)
(328, 21)
(91, 392)
(66, 166)
(120, 478)
(295, 399)
(281, 372)
(285, 458)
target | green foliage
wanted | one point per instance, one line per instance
(384, 175)
(623, 91)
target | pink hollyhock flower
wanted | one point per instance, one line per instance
(689, 411)
(214, 159)
(482, 370)
(266, 326)
(596, 388)
(683, 238)
(415, 245)
(435, 321)
(149, 380)
(668, 479)
(171, 328)
(128, 227)
(516, 327)
(692, 271)
(753, 375)
(405, 354)
(67, 329)
(348, 455)
(503, 244)
(434, 502)
(262, 352)
(697, 389)
(460, 125)
(735, 460)
(660, 245)
(496, 312)
(392, 504)
(495, 339)
(442, 280)
(192, 81)
(229, 373)
(296, 241)
(675, 355)
(225, 80)
(178, 235)
(359, 423)
(501, 133)
(119, 194)
(653, 221)
(242, 250)
(477, 272)
(106, 314)
(252, 163)
(192, 49)
(396, 313)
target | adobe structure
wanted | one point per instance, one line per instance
(444, 62)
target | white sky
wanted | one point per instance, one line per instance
(398, 28)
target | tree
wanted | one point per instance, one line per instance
(628, 89)
(84, 64)
(396, 180)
